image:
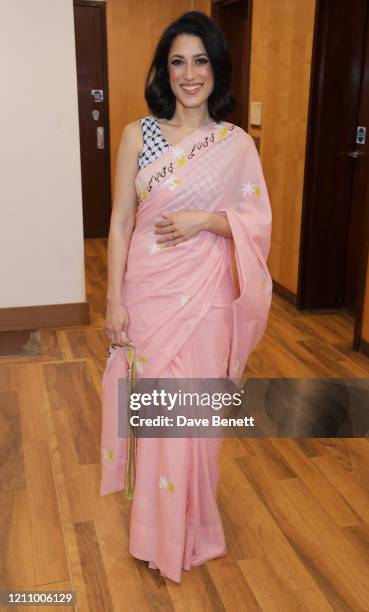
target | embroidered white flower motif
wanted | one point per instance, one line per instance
(236, 366)
(138, 361)
(225, 362)
(184, 299)
(140, 364)
(172, 182)
(154, 247)
(217, 126)
(249, 188)
(263, 278)
(165, 484)
(177, 152)
(107, 454)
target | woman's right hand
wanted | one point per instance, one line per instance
(116, 323)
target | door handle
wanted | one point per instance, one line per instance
(355, 154)
(100, 137)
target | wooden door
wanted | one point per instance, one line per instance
(91, 57)
(336, 171)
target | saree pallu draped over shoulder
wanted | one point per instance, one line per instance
(196, 310)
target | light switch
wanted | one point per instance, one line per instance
(256, 109)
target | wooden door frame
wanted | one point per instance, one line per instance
(359, 343)
(310, 179)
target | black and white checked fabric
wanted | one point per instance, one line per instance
(154, 141)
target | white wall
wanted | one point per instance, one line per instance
(41, 230)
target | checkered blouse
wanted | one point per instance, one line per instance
(154, 141)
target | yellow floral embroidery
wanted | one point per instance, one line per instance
(165, 484)
(223, 133)
(181, 161)
(263, 280)
(156, 246)
(144, 194)
(138, 361)
(107, 454)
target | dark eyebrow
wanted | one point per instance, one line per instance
(182, 57)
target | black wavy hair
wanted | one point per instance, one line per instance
(158, 94)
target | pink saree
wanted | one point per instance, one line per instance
(197, 310)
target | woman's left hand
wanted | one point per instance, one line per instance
(180, 226)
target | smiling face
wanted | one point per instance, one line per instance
(190, 72)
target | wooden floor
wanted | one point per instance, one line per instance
(296, 513)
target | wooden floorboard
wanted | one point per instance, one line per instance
(295, 511)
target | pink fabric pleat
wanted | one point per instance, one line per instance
(183, 529)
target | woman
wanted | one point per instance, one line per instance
(188, 286)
